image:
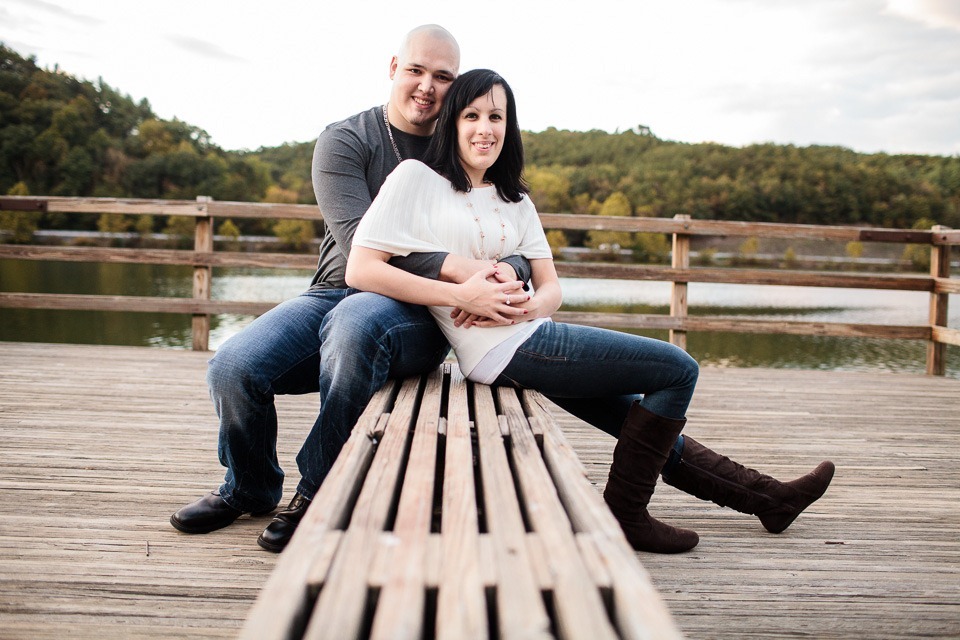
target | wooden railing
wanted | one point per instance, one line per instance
(203, 258)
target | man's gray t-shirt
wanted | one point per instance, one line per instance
(351, 160)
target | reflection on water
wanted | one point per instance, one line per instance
(724, 349)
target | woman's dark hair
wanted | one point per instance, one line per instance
(443, 155)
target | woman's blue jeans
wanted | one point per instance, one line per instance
(596, 374)
(338, 342)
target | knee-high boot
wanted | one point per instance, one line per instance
(641, 451)
(710, 476)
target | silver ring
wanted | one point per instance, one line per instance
(507, 301)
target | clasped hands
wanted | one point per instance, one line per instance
(491, 297)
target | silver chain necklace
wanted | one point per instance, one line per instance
(386, 123)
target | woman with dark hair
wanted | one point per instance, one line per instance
(468, 198)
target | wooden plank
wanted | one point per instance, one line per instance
(729, 275)
(160, 256)
(736, 324)
(947, 285)
(340, 610)
(579, 609)
(461, 603)
(945, 335)
(128, 206)
(613, 320)
(733, 228)
(520, 609)
(202, 280)
(264, 210)
(282, 608)
(137, 304)
(402, 602)
(639, 611)
(92, 558)
(679, 259)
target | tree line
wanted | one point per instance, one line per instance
(64, 136)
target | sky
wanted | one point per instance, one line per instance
(869, 75)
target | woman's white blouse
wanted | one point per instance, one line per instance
(418, 211)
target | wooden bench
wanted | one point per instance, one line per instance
(457, 510)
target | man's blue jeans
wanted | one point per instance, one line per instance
(596, 374)
(340, 342)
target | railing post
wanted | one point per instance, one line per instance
(202, 275)
(939, 268)
(680, 259)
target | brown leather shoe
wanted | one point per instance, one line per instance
(207, 514)
(278, 533)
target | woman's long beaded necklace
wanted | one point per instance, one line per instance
(481, 251)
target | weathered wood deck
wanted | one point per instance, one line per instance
(99, 445)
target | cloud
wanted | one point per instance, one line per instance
(59, 11)
(938, 14)
(203, 48)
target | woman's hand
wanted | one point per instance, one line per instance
(483, 298)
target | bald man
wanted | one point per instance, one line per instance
(332, 339)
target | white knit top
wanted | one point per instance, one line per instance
(418, 211)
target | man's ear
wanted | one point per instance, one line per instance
(393, 66)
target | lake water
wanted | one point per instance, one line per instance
(724, 349)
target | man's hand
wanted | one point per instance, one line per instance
(484, 296)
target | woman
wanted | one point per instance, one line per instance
(468, 198)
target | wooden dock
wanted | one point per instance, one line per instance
(99, 445)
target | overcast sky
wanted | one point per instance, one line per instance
(871, 75)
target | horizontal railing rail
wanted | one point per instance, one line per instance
(203, 258)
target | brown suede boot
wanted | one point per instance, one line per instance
(641, 451)
(710, 476)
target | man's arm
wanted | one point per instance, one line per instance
(343, 195)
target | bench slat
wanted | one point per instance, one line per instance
(519, 603)
(579, 609)
(638, 609)
(402, 599)
(280, 611)
(461, 603)
(339, 611)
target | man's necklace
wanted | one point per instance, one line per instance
(386, 123)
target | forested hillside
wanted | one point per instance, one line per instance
(63, 136)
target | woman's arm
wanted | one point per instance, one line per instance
(369, 270)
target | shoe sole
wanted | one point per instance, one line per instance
(179, 526)
(269, 546)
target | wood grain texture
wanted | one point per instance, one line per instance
(101, 444)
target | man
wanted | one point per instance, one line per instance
(332, 339)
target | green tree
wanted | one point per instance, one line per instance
(549, 190)
(854, 249)
(19, 225)
(918, 255)
(294, 233)
(557, 240)
(113, 223)
(230, 233)
(616, 205)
